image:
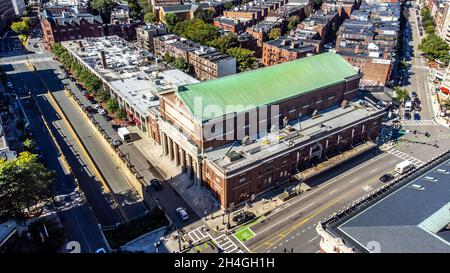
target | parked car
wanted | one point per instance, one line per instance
(156, 184)
(96, 106)
(416, 115)
(106, 117)
(101, 111)
(182, 213)
(386, 177)
(115, 127)
(92, 100)
(116, 142)
(90, 110)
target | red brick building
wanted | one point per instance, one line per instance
(70, 26)
(238, 150)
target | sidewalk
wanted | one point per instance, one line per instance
(444, 121)
(198, 197)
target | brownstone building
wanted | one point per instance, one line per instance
(245, 134)
(70, 26)
(285, 49)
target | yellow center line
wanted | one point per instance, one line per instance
(290, 229)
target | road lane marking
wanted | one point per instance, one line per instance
(312, 239)
(374, 170)
(333, 191)
(295, 226)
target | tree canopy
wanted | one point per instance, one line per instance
(104, 8)
(401, 94)
(206, 15)
(274, 33)
(139, 8)
(150, 17)
(197, 30)
(224, 42)
(293, 22)
(427, 20)
(245, 58)
(21, 27)
(435, 48)
(171, 21)
(24, 182)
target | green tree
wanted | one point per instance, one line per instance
(293, 21)
(228, 5)
(171, 20)
(28, 144)
(196, 30)
(435, 48)
(224, 42)
(429, 30)
(104, 8)
(112, 105)
(274, 33)
(401, 94)
(150, 17)
(121, 113)
(21, 27)
(24, 182)
(245, 58)
(167, 58)
(206, 15)
(181, 64)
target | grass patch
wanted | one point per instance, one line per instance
(244, 233)
(131, 230)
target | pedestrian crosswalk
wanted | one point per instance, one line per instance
(223, 241)
(418, 122)
(198, 234)
(226, 244)
(405, 156)
(420, 66)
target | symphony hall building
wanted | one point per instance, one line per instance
(245, 134)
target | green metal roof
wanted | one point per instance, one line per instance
(265, 85)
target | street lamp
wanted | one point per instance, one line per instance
(206, 212)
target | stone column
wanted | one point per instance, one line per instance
(183, 160)
(198, 172)
(170, 147)
(176, 153)
(164, 143)
(189, 165)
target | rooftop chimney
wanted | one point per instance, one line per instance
(105, 65)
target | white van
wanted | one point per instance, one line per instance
(404, 167)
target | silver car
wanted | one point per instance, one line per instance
(182, 213)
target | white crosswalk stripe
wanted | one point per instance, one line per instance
(226, 244)
(420, 66)
(404, 156)
(419, 122)
(223, 241)
(197, 234)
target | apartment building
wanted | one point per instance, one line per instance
(232, 25)
(344, 7)
(369, 41)
(290, 116)
(146, 33)
(322, 22)
(262, 29)
(256, 10)
(184, 12)
(127, 73)
(285, 49)
(70, 26)
(208, 63)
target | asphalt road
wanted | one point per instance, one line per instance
(167, 197)
(133, 206)
(77, 217)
